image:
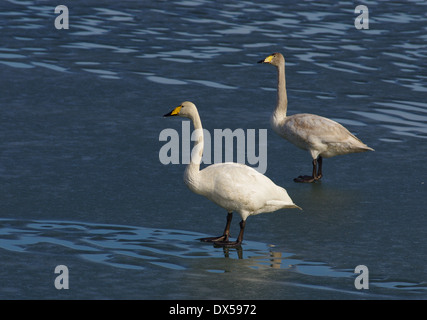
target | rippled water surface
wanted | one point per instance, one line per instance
(81, 180)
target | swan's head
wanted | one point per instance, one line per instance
(185, 109)
(275, 59)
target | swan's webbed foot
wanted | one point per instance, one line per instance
(214, 239)
(317, 172)
(224, 236)
(233, 244)
(305, 179)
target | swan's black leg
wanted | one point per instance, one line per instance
(233, 244)
(226, 233)
(314, 176)
(319, 171)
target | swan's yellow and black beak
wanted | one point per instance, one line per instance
(267, 60)
(174, 112)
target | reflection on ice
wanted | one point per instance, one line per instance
(138, 248)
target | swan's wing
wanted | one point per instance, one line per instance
(241, 188)
(312, 132)
(309, 126)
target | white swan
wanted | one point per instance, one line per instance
(322, 137)
(232, 186)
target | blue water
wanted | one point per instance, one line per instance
(81, 180)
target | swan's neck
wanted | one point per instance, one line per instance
(279, 113)
(191, 173)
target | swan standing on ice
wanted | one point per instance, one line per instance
(232, 186)
(322, 137)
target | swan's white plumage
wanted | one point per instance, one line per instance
(233, 186)
(239, 188)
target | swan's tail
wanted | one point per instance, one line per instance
(294, 206)
(281, 204)
(363, 147)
